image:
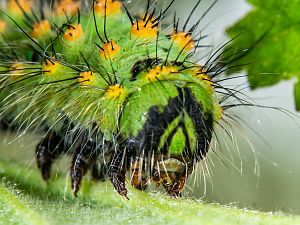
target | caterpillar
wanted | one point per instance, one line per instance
(120, 92)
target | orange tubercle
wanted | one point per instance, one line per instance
(155, 73)
(50, 67)
(73, 33)
(40, 29)
(201, 73)
(2, 26)
(17, 69)
(109, 50)
(112, 7)
(184, 40)
(114, 91)
(67, 6)
(14, 7)
(142, 29)
(86, 78)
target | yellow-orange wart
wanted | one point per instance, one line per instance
(184, 40)
(109, 50)
(201, 73)
(50, 67)
(41, 29)
(114, 91)
(2, 26)
(86, 78)
(144, 29)
(67, 6)
(112, 7)
(157, 72)
(17, 69)
(17, 6)
(73, 33)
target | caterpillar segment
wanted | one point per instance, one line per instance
(110, 88)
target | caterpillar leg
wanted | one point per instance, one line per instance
(172, 182)
(117, 172)
(172, 174)
(47, 151)
(84, 157)
(175, 185)
(139, 179)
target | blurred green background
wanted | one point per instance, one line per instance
(260, 168)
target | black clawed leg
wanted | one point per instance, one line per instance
(47, 151)
(78, 170)
(83, 158)
(139, 181)
(116, 173)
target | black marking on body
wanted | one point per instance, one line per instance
(142, 65)
(179, 64)
(203, 123)
(173, 132)
(148, 138)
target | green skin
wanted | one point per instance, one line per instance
(41, 99)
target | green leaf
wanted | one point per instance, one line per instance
(297, 94)
(14, 211)
(31, 201)
(271, 34)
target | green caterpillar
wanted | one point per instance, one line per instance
(111, 88)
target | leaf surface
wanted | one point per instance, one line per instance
(271, 35)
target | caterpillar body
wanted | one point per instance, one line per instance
(114, 89)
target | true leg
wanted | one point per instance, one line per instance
(47, 151)
(175, 187)
(84, 157)
(139, 178)
(117, 171)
